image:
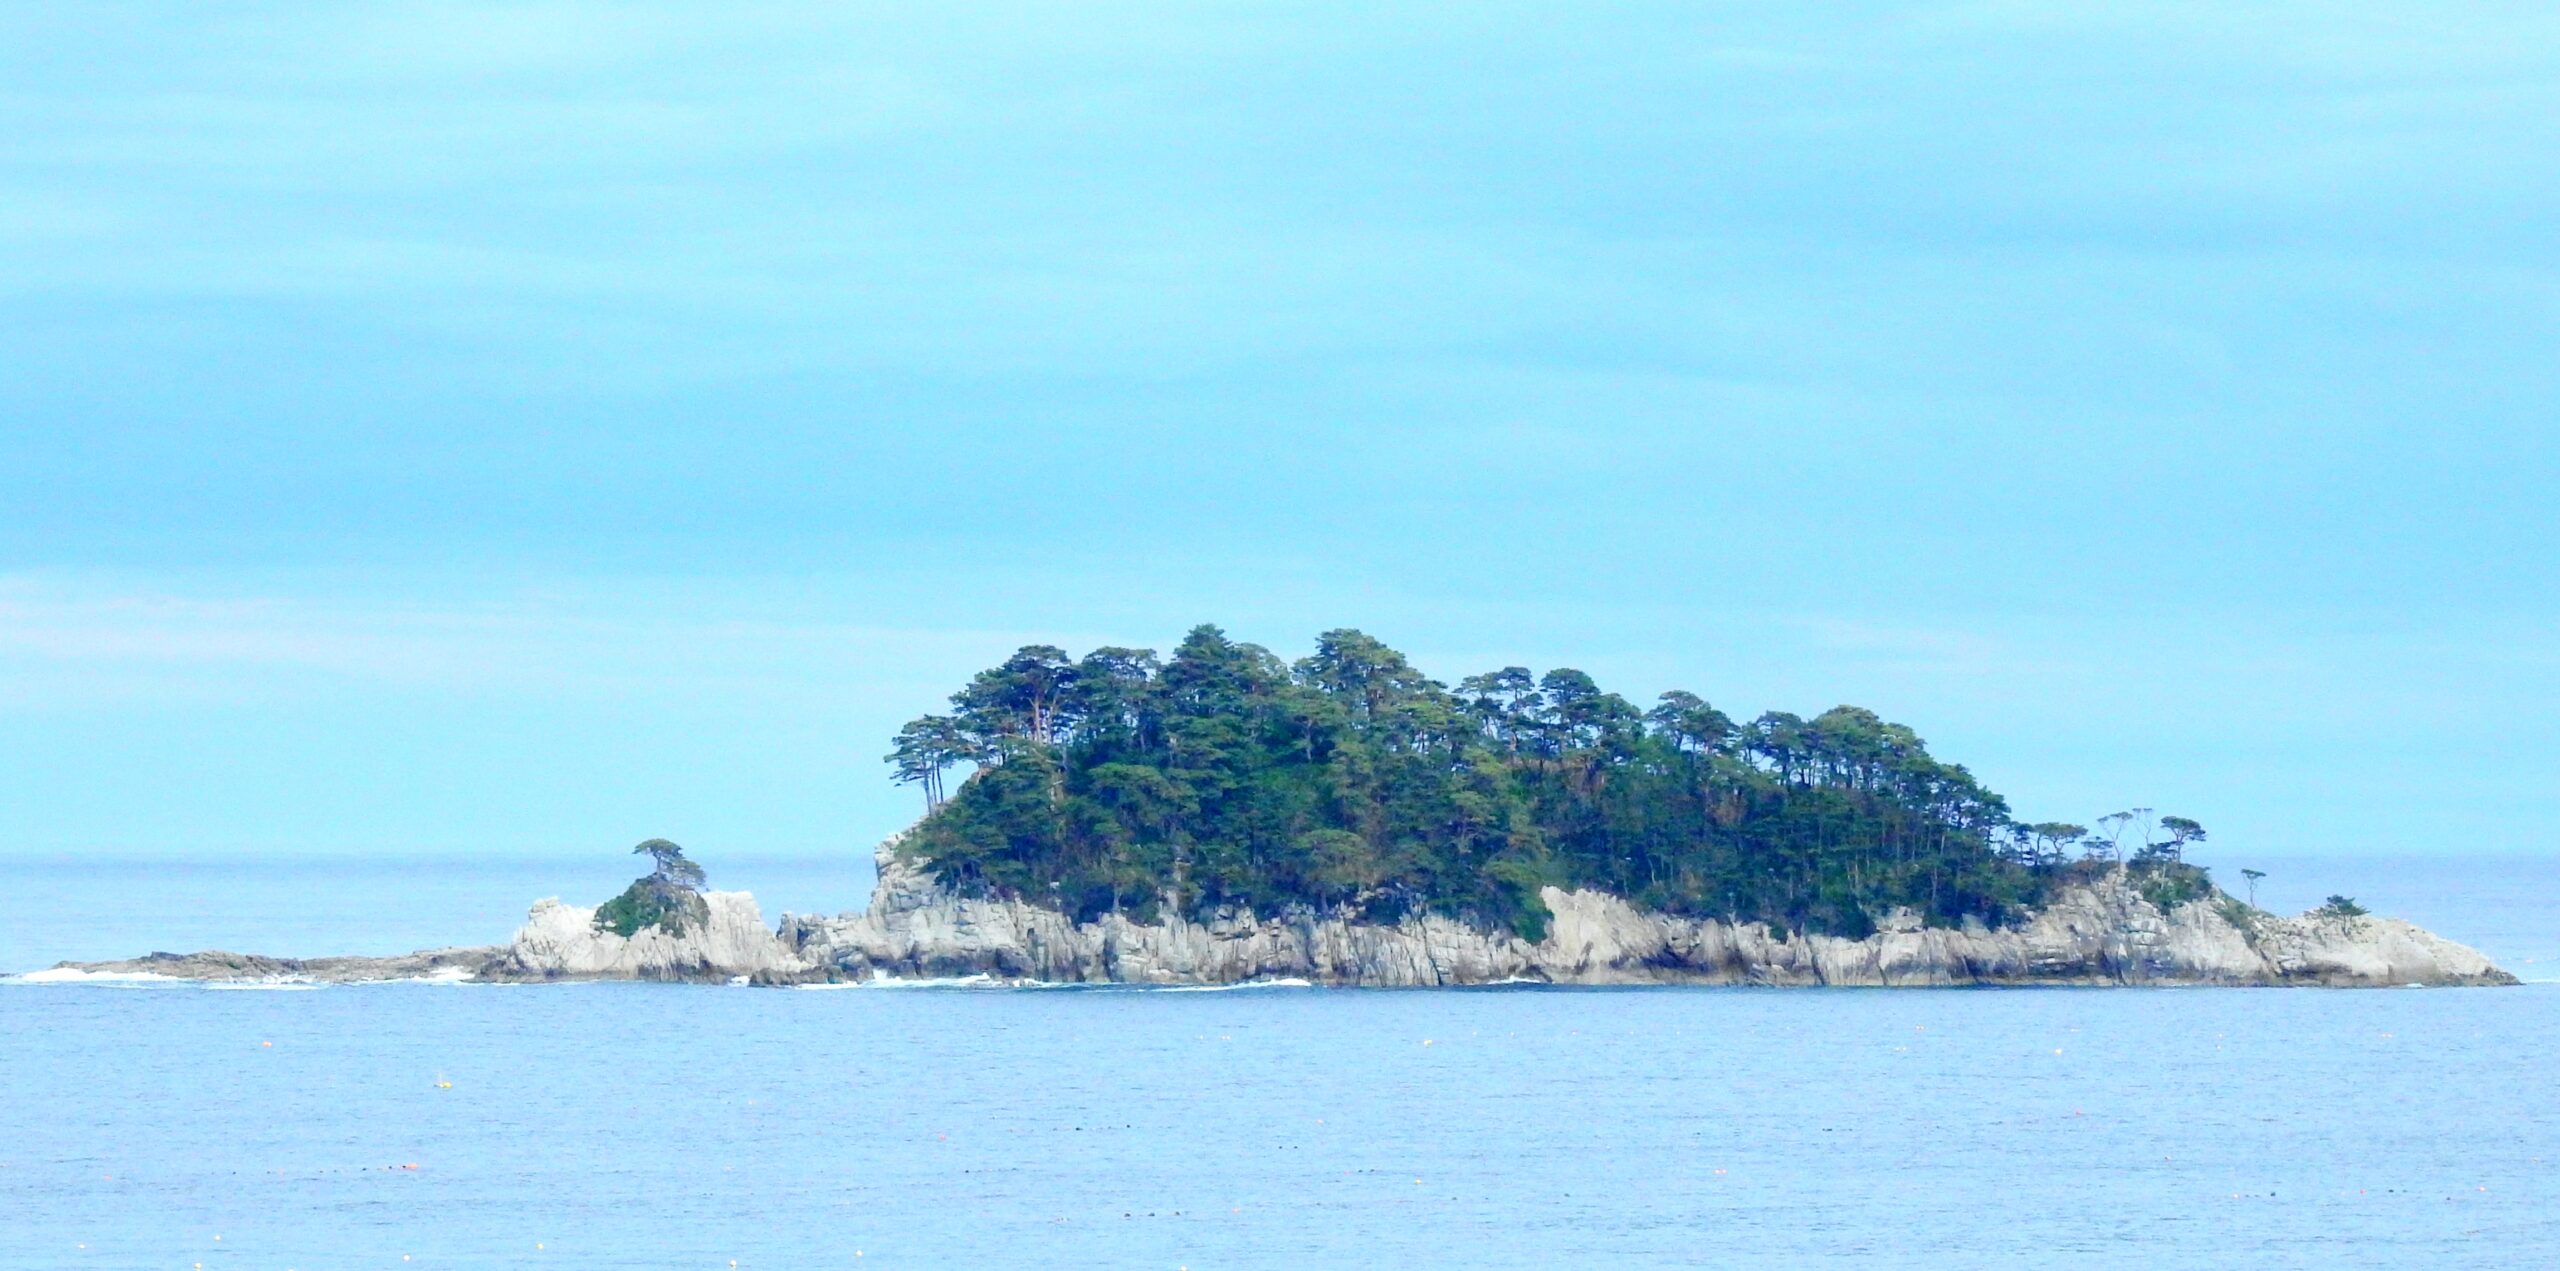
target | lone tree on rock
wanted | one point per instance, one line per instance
(669, 898)
(2182, 831)
(2253, 875)
(672, 868)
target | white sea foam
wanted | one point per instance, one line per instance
(883, 980)
(74, 975)
(1287, 982)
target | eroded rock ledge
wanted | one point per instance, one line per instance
(2101, 933)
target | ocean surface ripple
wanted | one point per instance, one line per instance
(425, 1125)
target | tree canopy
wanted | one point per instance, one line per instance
(1223, 776)
(668, 897)
(672, 867)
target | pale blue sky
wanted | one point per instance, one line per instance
(530, 428)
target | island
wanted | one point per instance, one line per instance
(1223, 816)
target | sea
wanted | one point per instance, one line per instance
(402, 1127)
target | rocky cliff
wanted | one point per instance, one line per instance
(561, 942)
(2103, 932)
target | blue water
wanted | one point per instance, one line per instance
(671, 1126)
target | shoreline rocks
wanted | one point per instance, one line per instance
(223, 967)
(558, 942)
(561, 942)
(2097, 933)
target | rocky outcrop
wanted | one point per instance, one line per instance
(2102, 932)
(562, 942)
(557, 942)
(217, 966)
(2099, 932)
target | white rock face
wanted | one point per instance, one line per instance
(2102, 933)
(560, 942)
(2099, 933)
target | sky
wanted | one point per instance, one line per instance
(501, 430)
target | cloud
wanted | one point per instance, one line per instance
(66, 640)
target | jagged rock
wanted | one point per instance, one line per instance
(2101, 932)
(562, 942)
(2098, 932)
(557, 942)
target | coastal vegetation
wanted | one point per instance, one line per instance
(1348, 781)
(668, 897)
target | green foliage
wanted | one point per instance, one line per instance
(1225, 778)
(2168, 883)
(2340, 907)
(2239, 913)
(644, 904)
(670, 897)
(2182, 831)
(672, 867)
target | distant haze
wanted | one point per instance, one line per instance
(529, 429)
